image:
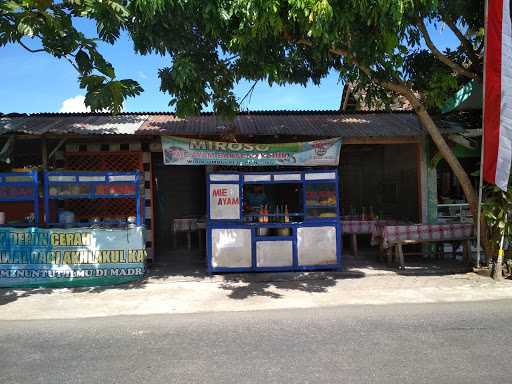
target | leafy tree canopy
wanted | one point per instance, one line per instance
(374, 43)
(384, 47)
(49, 26)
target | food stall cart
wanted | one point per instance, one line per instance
(273, 221)
(20, 187)
(102, 244)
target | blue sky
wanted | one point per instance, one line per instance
(38, 82)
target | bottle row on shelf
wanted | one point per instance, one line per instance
(86, 189)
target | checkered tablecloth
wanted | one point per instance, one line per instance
(358, 226)
(364, 226)
(392, 234)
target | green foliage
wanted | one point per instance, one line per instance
(497, 209)
(425, 72)
(212, 44)
(50, 25)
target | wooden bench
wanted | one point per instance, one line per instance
(399, 252)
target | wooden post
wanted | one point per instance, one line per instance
(389, 254)
(466, 246)
(44, 153)
(400, 256)
(382, 251)
(189, 238)
(441, 251)
(355, 251)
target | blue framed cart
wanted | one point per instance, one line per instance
(21, 187)
(90, 187)
(296, 229)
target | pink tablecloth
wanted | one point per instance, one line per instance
(364, 226)
(392, 234)
(358, 226)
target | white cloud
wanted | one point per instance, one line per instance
(74, 104)
(142, 75)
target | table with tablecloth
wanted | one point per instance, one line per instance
(396, 235)
(188, 225)
(354, 227)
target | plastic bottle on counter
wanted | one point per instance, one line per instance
(371, 215)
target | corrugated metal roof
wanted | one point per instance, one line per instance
(260, 123)
(86, 124)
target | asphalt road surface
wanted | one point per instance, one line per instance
(432, 343)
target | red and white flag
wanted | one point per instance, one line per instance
(498, 94)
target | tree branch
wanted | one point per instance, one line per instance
(441, 57)
(30, 49)
(249, 92)
(227, 60)
(468, 46)
(399, 87)
(72, 63)
(480, 47)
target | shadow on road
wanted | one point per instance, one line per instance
(243, 287)
(8, 295)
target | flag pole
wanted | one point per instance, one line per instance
(481, 180)
(479, 214)
(501, 252)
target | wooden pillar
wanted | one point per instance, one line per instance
(400, 256)
(389, 255)
(44, 153)
(355, 250)
(466, 252)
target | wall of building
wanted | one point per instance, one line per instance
(384, 177)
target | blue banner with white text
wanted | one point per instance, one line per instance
(42, 257)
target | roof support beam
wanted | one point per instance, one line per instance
(381, 140)
(57, 147)
(44, 153)
(7, 149)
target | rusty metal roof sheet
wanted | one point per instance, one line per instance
(81, 124)
(260, 123)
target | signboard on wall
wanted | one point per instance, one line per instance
(184, 151)
(224, 202)
(33, 257)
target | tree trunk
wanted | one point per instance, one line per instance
(459, 172)
(497, 268)
(399, 87)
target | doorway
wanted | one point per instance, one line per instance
(180, 210)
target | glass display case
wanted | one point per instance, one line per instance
(272, 203)
(19, 187)
(321, 200)
(273, 221)
(91, 196)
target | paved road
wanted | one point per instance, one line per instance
(428, 343)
